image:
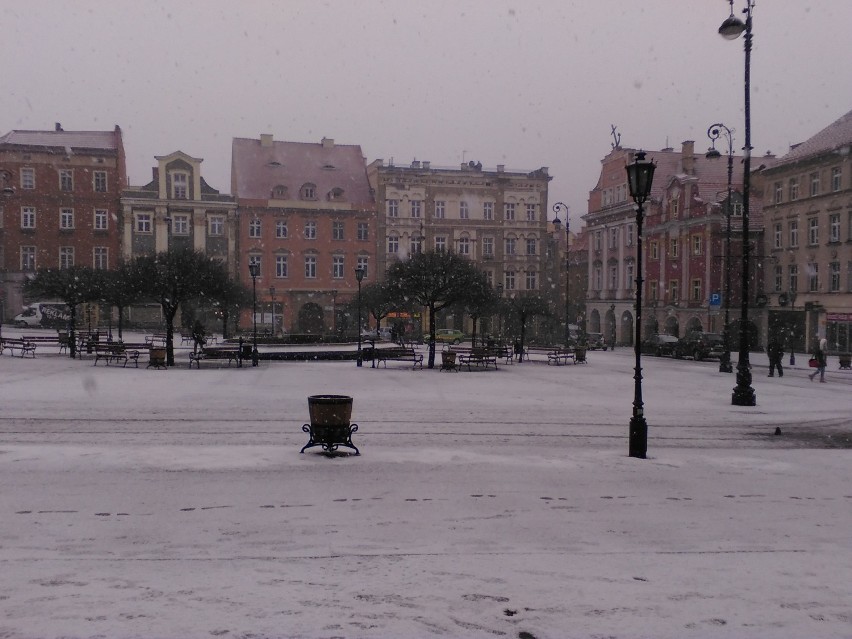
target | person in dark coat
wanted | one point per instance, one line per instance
(775, 350)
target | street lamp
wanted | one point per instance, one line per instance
(359, 275)
(6, 192)
(254, 271)
(272, 320)
(640, 176)
(714, 133)
(731, 29)
(560, 206)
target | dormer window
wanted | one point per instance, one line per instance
(335, 194)
(180, 186)
(308, 191)
(280, 191)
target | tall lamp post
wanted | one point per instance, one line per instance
(359, 275)
(731, 29)
(254, 271)
(557, 223)
(640, 176)
(612, 310)
(6, 192)
(714, 133)
(272, 320)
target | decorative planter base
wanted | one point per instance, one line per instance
(330, 426)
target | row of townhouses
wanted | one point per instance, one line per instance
(308, 214)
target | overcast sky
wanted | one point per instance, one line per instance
(523, 83)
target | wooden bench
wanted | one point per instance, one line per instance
(479, 357)
(561, 356)
(157, 339)
(48, 340)
(230, 353)
(383, 355)
(116, 352)
(13, 344)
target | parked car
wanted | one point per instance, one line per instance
(700, 346)
(595, 341)
(449, 336)
(660, 344)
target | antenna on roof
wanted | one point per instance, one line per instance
(615, 136)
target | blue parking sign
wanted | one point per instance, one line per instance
(715, 299)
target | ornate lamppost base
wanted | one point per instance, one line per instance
(743, 394)
(638, 436)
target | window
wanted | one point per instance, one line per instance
(531, 212)
(101, 222)
(28, 258)
(613, 276)
(66, 219)
(180, 190)
(793, 276)
(393, 208)
(628, 273)
(655, 251)
(629, 235)
(28, 179)
(310, 267)
(337, 267)
(337, 230)
(440, 243)
(255, 259)
(99, 181)
(440, 209)
(308, 191)
(509, 210)
(66, 180)
(673, 245)
(310, 230)
(143, 222)
(652, 290)
(813, 231)
(363, 231)
(28, 217)
(779, 193)
(532, 280)
(281, 229)
(794, 189)
(414, 206)
(488, 246)
(464, 211)
(794, 233)
(813, 277)
(675, 207)
(696, 290)
(100, 258)
(180, 224)
(415, 244)
(814, 184)
(673, 291)
(393, 244)
(66, 256)
(464, 246)
(613, 239)
(488, 210)
(736, 209)
(597, 241)
(363, 264)
(834, 277)
(597, 276)
(834, 227)
(216, 225)
(532, 245)
(779, 278)
(697, 245)
(835, 179)
(509, 280)
(281, 266)
(510, 246)
(254, 227)
(777, 236)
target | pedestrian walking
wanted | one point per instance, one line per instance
(821, 357)
(775, 350)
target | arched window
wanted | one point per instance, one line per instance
(308, 191)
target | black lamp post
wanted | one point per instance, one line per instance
(714, 133)
(561, 206)
(359, 275)
(254, 271)
(272, 320)
(731, 29)
(6, 192)
(612, 337)
(640, 176)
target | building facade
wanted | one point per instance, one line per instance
(177, 209)
(494, 217)
(61, 205)
(808, 205)
(307, 218)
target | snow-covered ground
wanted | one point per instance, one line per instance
(146, 503)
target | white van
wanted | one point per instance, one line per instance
(44, 315)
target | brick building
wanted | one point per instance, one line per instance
(307, 218)
(61, 206)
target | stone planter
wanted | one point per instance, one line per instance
(330, 425)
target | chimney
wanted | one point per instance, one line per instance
(266, 139)
(687, 158)
(328, 143)
(501, 168)
(57, 126)
(426, 164)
